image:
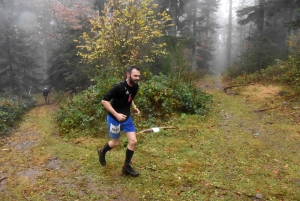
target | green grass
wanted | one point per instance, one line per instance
(233, 153)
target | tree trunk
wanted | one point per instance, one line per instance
(241, 32)
(194, 62)
(100, 6)
(10, 62)
(261, 18)
(229, 34)
(260, 30)
(290, 31)
(45, 59)
(173, 15)
(207, 18)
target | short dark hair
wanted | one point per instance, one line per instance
(130, 68)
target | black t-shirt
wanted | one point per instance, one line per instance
(121, 96)
(45, 92)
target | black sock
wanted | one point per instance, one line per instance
(106, 148)
(129, 155)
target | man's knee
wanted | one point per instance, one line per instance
(114, 143)
(132, 141)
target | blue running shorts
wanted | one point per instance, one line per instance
(115, 127)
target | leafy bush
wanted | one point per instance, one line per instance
(83, 114)
(12, 108)
(158, 97)
(27, 101)
(161, 97)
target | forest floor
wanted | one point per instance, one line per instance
(247, 148)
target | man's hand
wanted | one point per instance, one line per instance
(136, 111)
(120, 117)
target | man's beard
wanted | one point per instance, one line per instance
(131, 81)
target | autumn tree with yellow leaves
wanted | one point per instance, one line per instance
(124, 35)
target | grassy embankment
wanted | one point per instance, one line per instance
(235, 153)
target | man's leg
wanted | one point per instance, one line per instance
(132, 141)
(114, 133)
(131, 136)
(110, 145)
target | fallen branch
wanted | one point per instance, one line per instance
(225, 88)
(265, 109)
(25, 196)
(1, 179)
(153, 129)
(5, 149)
(231, 93)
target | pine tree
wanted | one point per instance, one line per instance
(198, 23)
(60, 24)
(266, 41)
(17, 64)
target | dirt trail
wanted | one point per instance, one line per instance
(18, 161)
(37, 164)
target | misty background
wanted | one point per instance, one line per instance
(37, 47)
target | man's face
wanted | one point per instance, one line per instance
(134, 77)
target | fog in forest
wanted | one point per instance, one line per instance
(37, 36)
(212, 112)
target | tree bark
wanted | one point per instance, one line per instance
(45, 59)
(10, 62)
(173, 15)
(260, 30)
(194, 64)
(100, 6)
(229, 34)
(207, 18)
(261, 18)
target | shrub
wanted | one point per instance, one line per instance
(158, 97)
(161, 97)
(83, 114)
(12, 109)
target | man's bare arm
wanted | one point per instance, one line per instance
(136, 110)
(107, 105)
